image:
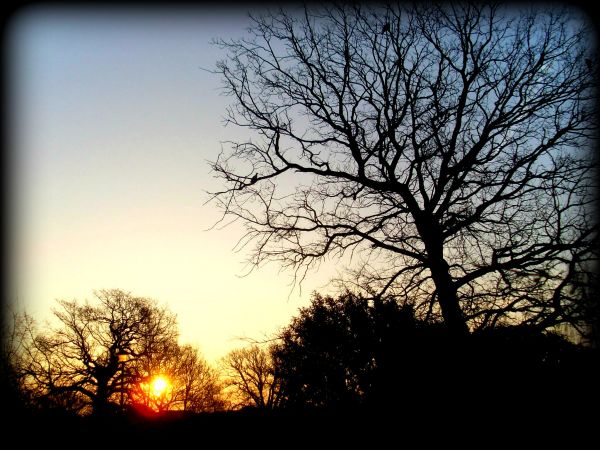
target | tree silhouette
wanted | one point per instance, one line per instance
(250, 372)
(76, 364)
(351, 351)
(200, 384)
(450, 152)
(321, 356)
(348, 351)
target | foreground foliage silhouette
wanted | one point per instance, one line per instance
(351, 351)
(350, 367)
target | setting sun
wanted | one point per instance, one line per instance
(159, 386)
(154, 393)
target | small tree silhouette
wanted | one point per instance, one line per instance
(251, 374)
(76, 363)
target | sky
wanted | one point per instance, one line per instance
(112, 121)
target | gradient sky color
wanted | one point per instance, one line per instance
(112, 123)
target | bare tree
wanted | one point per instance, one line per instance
(251, 373)
(447, 148)
(200, 385)
(78, 362)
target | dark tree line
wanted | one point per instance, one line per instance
(350, 354)
(356, 353)
(350, 351)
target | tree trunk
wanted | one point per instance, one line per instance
(100, 402)
(440, 273)
(447, 297)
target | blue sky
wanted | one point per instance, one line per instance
(112, 122)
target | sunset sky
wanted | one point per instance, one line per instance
(112, 121)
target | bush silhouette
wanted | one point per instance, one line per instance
(350, 351)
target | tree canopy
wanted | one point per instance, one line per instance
(346, 351)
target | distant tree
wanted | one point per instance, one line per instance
(76, 363)
(250, 373)
(200, 384)
(447, 145)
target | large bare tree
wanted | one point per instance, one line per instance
(447, 149)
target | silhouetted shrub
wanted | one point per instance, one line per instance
(350, 351)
